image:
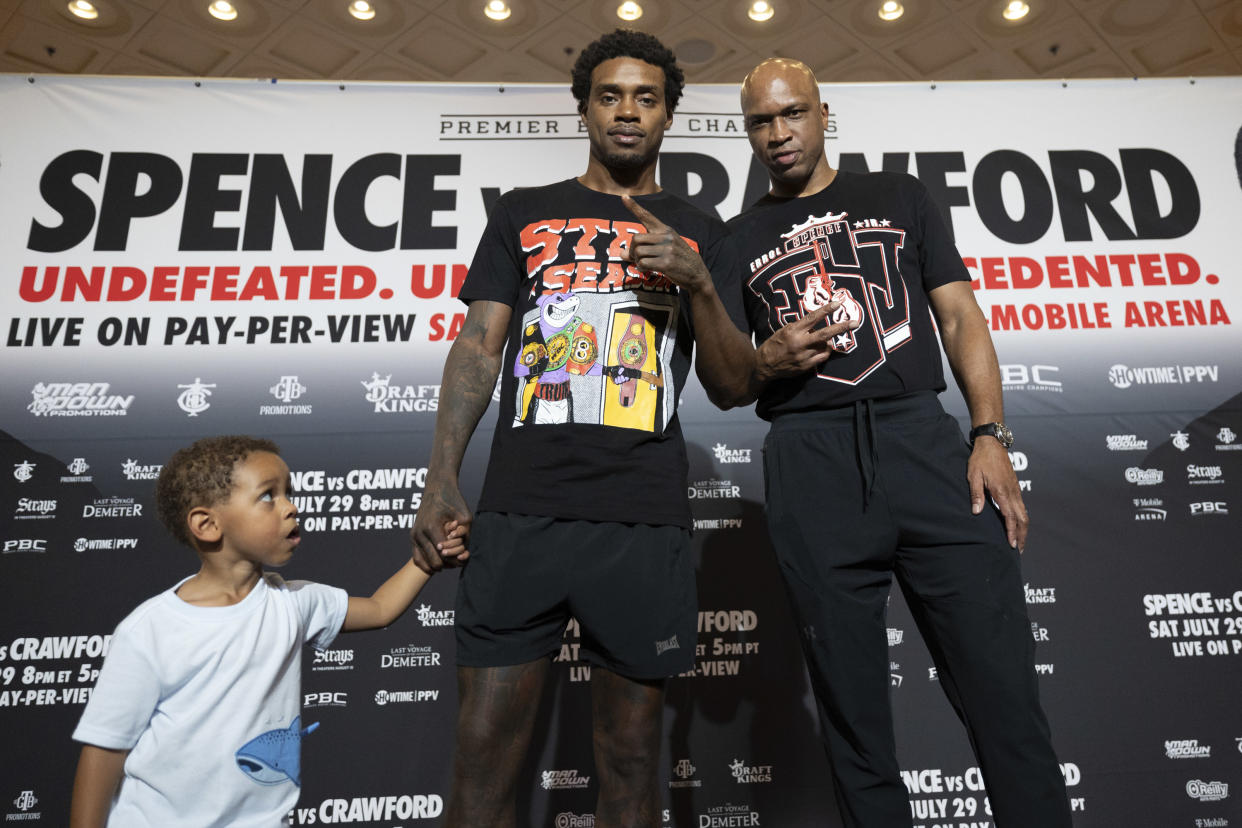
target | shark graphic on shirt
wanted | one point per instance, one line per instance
(272, 757)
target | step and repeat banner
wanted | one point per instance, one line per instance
(181, 258)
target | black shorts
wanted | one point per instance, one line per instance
(631, 588)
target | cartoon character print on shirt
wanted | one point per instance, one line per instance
(559, 343)
(830, 258)
(597, 345)
(275, 756)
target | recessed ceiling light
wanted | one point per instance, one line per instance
(83, 9)
(760, 10)
(362, 10)
(629, 10)
(1016, 10)
(497, 10)
(696, 50)
(222, 10)
(891, 10)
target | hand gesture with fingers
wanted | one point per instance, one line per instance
(801, 345)
(662, 249)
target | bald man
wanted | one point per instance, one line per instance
(868, 477)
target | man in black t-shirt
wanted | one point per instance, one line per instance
(586, 297)
(868, 477)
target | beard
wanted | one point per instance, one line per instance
(628, 160)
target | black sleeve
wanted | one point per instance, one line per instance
(938, 257)
(722, 260)
(495, 274)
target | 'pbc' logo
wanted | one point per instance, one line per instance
(25, 545)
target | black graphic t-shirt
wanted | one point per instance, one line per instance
(597, 355)
(875, 242)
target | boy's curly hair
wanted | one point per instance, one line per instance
(632, 44)
(201, 474)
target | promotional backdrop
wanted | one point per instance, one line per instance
(181, 258)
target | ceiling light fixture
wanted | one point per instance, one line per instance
(497, 10)
(83, 9)
(222, 10)
(891, 10)
(629, 10)
(1016, 10)
(760, 10)
(362, 10)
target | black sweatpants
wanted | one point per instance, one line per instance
(855, 496)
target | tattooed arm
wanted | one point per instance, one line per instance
(465, 391)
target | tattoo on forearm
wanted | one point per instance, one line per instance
(469, 377)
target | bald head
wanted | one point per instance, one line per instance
(793, 75)
(785, 122)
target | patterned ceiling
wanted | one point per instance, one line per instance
(451, 40)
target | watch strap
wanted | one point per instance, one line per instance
(998, 430)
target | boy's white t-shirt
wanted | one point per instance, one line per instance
(207, 700)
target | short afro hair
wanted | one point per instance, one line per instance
(201, 475)
(631, 44)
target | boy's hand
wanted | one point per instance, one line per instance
(454, 545)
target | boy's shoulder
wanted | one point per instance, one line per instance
(155, 612)
(274, 581)
(165, 611)
(310, 597)
(149, 611)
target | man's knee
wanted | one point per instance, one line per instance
(628, 717)
(479, 734)
(629, 748)
(496, 705)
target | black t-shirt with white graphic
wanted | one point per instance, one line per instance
(873, 241)
(597, 355)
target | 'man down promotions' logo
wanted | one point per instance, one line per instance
(77, 399)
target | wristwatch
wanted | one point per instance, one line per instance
(998, 430)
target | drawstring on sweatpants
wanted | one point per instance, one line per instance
(862, 416)
(866, 447)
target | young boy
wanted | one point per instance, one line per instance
(196, 715)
